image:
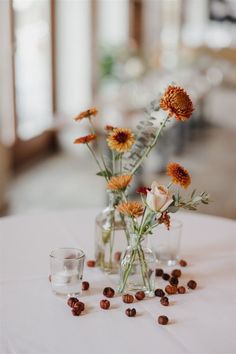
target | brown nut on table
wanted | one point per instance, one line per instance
(140, 295)
(79, 306)
(164, 301)
(163, 320)
(170, 289)
(181, 290)
(174, 281)
(91, 263)
(183, 263)
(130, 312)
(76, 312)
(159, 293)
(85, 285)
(192, 284)
(176, 273)
(105, 304)
(127, 298)
(71, 301)
(159, 272)
(165, 276)
(117, 256)
(108, 292)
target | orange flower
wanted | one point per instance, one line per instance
(86, 114)
(85, 139)
(133, 208)
(119, 182)
(120, 139)
(177, 102)
(179, 174)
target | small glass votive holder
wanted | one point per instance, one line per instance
(166, 243)
(67, 266)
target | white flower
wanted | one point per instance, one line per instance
(159, 197)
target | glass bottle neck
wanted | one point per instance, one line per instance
(135, 240)
(113, 199)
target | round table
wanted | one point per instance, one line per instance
(34, 321)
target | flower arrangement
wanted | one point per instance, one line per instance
(130, 150)
(155, 207)
(127, 152)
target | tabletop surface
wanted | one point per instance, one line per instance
(34, 321)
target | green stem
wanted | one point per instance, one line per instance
(113, 164)
(111, 241)
(125, 229)
(151, 227)
(142, 270)
(124, 280)
(100, 154)
(95, 157)
(141, 223)
(121, 167)
(149, 148)
(146, 271)
(92, 126)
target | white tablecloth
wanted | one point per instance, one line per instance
(34, 321)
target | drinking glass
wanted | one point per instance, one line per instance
(166, 243)
(67, 266)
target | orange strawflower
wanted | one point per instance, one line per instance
(85, 139)
(86, 114)
(120, 139)
(177, 102)
(133, 208)
(179, 174)
(119, 182)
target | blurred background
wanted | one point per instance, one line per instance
(58, 57)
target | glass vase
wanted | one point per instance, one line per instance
(111, 237)
(165, 243)
(137, 269)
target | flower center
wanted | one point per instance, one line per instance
(121, 137)
(180, 101)
(182, 173)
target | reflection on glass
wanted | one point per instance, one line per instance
(32, 66)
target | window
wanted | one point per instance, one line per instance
(33, 77)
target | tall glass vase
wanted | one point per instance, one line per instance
(111, 237)
(137, 269)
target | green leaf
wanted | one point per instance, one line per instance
(205, 202)
(105, 173)
(173, 209)
(193, 193)
(118, 157)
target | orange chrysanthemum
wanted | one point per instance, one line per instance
(85, 139)
(179, 174)
(177, 102)
(133, 208)
(86, 114)
(119, 182)
(120, 139)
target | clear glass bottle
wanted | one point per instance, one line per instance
(137, 269)
(111, 237)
